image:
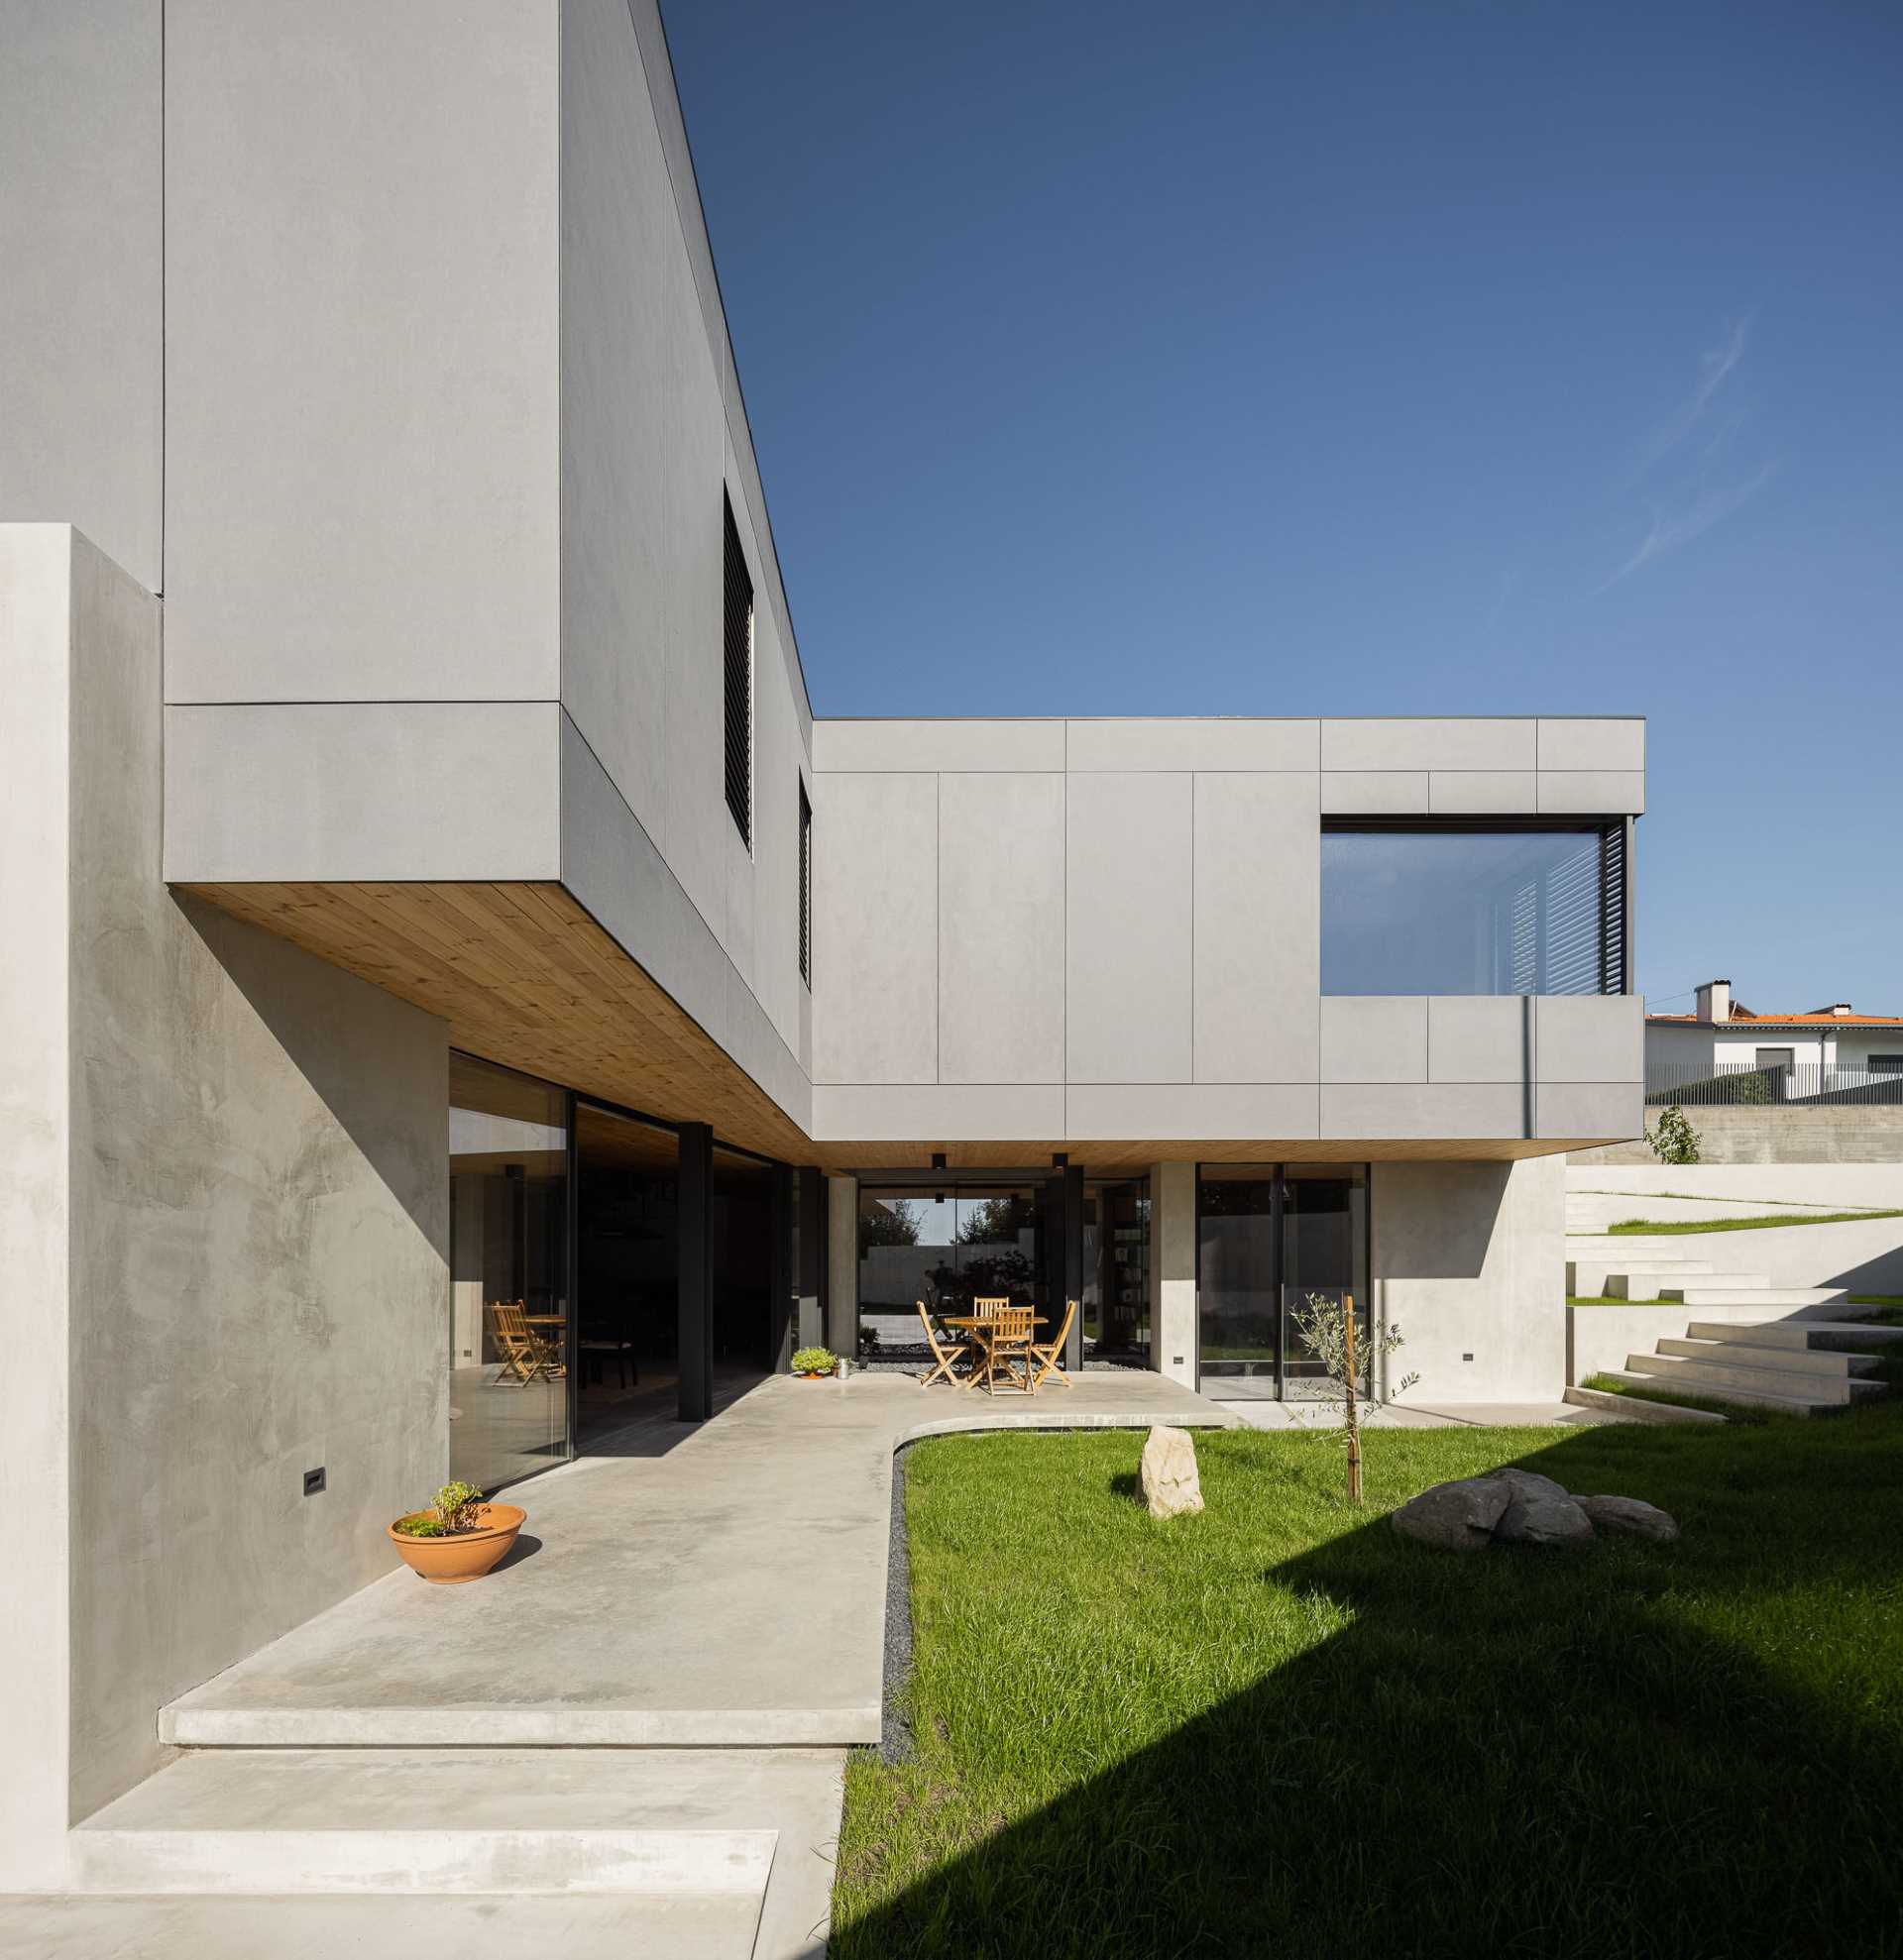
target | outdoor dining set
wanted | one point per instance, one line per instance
(996, 1342)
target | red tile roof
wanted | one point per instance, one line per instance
(1742, 1016)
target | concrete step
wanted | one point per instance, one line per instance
(1727, 1292)
(1629, 1279)
(1822, 1362)
(184, 1927)
(1703, 1376)
(1744, 1398)
(1630, 1406)
(657, 1824)
(1846, 1334)
(1619, 1243)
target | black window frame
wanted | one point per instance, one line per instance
(1617, 840)
(738, 672)
(806, 886)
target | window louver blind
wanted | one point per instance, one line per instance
(1613, 881)
(739, 681)
(1558, 924)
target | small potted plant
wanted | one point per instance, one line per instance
(812, 1363)
(457, 1537)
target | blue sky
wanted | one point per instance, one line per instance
(1356, 360)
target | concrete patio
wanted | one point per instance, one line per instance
(717, 1585)
(630, 1738)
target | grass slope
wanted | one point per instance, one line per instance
(1280, 1728)
(1663, 1227)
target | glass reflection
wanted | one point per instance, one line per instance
(508, 1248)
(1461, 912)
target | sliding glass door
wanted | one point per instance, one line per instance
(1270, 1238)
(508, 1209)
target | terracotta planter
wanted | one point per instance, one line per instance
(467, 1555)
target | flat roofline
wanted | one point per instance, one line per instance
(1229, 717)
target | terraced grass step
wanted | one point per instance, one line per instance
(1853, 1334)
(1711, 1375)
(1744, 1398)
(1819, 1362)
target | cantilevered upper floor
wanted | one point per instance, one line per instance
(412, 397)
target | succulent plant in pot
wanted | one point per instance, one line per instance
(813, 1362)
(458, 1535)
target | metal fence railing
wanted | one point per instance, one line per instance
(1801, 1083)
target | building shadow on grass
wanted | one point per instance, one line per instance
(1513, 1752)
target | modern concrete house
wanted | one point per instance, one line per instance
(458, 999)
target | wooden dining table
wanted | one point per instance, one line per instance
(980, 1328)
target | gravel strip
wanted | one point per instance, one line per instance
(896, 1743)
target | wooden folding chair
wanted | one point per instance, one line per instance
(1008, 1347)
(943, 1355)
(522, 1353)
(1046, 1354)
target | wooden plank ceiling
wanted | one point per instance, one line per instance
(524, 976)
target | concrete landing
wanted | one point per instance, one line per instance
(1411, 1415)
(728, 1594)
(388, 1929)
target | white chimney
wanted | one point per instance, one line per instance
(1715, 1001)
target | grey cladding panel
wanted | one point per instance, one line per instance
(876, 887)
(1258, 930)
(1001, 999)
(1128, 914)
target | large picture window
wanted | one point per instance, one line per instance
(1472, 910)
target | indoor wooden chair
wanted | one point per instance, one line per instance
(943, 1353)
(1046, 1354)
(1007, 1347)
(522, 1355)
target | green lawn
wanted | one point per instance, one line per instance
(1646, 1226)
(1281, 1729)
(1612, 1300)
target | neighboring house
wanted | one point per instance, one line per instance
(443, 943)
(1822, 1050)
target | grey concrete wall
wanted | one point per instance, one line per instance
(1468, 1259)
(81, 271)
(256, 1234)
(1172, 1271)
(362, 411)
(1112, 929)
(453, 261)
(37, 1218)
(1854, 1133)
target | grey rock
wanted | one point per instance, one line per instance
(1630, 1514)
(1537, 1519)
(1455, 1517)
(1171, 1484)
(1529, 1483)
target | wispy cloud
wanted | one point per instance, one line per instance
(1696, 479)
(1677, 524)
(1715, 367)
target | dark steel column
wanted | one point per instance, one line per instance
(696, 1216)
(1072, 1266)
(782, 1293)
(572, 1283)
